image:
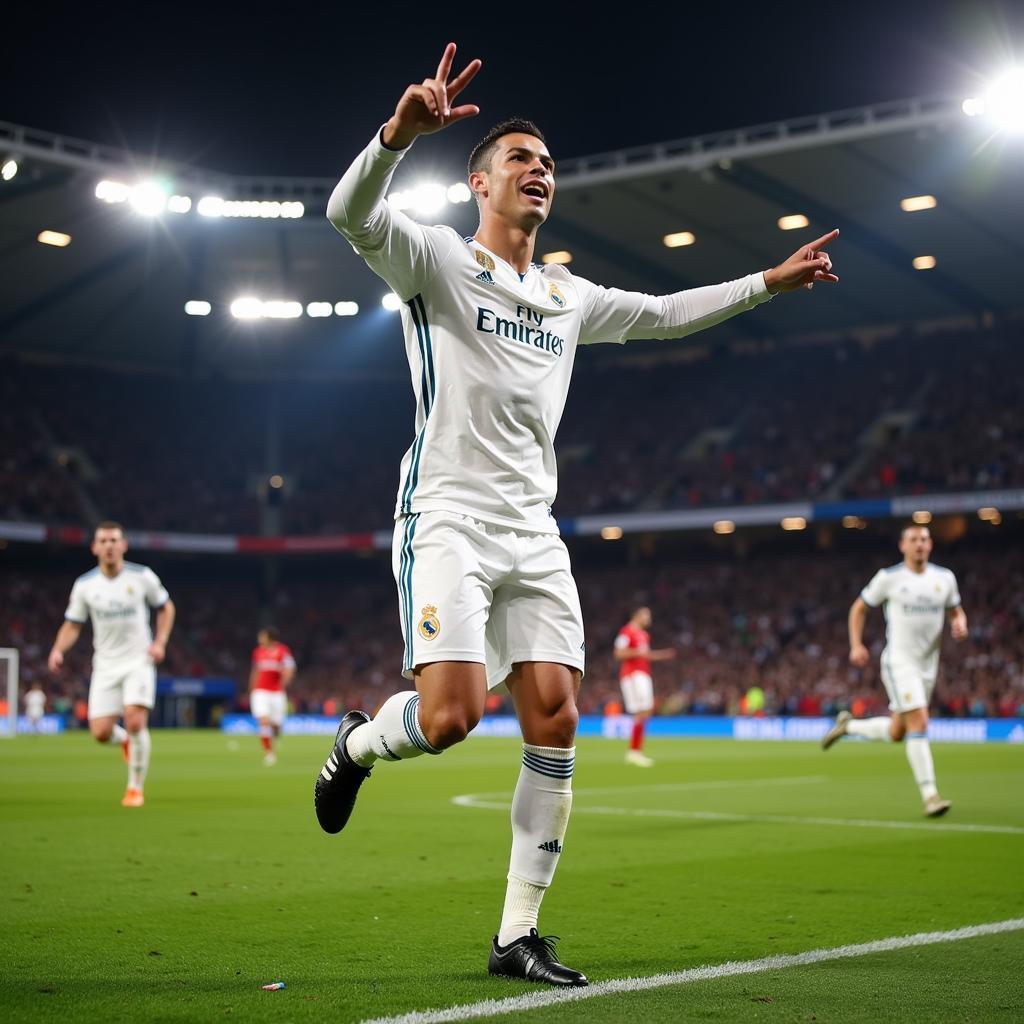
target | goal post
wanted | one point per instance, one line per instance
(9, 684)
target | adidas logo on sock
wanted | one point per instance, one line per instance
(485, 276)
(551, 846)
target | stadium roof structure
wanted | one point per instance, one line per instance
(117, 292)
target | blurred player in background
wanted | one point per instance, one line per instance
(273, 668)
(486, 592)
(35, 706)
(914, 595)
(634, 655)
(117, 596)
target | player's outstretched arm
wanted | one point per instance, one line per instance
(66, 636)
(427, 108)
(859, 654)
(810, 263)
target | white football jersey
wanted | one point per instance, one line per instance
(119, 608)
(35, 703)
(915, 606)
(491, 351)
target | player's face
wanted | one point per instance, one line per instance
(916, 545)
(262, 638)
(109, 547)
(643, 616)
(520, 184)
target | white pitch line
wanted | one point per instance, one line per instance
(473, 800)
(710, 972)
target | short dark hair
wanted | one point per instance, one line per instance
(480, 158)
(272, 634)
(108, 524)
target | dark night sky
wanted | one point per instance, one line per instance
(288, 90)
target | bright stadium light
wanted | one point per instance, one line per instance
(914, 203)
(9, 169)
(922, 517)
(924, 262)
(248, 307)
(149, 198)
(399, 200)
(113, 191)
(679, 238)
(724, 526)
(210, 206)
(794, 523)
(793, 221)
(1002, 103)
(459, 193)
(282, 309)
(611, 533)
(347, 308)
(179, 204)
(57, 238)
(427, 199)
(562, 256)
(198, 307)
(317, 309)
(391, 302)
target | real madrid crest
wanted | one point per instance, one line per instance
(483, 259)
(430, 625)
(556, 296)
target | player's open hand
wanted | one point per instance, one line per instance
(859, 655)
(807, 265)
(55, 662)
(427, 107)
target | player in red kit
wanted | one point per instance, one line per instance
(272, 670)
(634, 654)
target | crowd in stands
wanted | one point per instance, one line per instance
(666, 426)
(773, 621)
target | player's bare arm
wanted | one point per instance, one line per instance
(859, 654)
(662, 654)
(287, 675)
(958, 623)
(164, 625)
(68, 633)
(426, 108)
(808, 265)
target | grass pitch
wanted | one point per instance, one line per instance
(723, 851)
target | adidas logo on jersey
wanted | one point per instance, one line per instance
(485, 276)
(551, 846)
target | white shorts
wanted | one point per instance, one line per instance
(637, 692)
(907, 686)
(473, 591)
(112, 689)
(269, 704)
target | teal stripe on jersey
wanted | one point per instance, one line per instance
(427, 384)
(406, 584)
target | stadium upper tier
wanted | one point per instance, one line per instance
(910, 184)
(824, 422)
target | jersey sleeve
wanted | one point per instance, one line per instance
(287, 658)
(406, 255)
(877, 591)
(953, 597)
(77, 609)
(156, 593)
(614, 315)
(623, 641)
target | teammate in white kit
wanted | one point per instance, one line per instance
(117, 596)
(35, 706)
(486, 596)
(915, 596)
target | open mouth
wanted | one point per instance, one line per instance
(535, 190)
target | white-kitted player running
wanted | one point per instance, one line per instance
(486, 595)
(915, 596)
(117, 597)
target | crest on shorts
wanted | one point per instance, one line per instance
(556, 296)
(430, 625)
(483, 259)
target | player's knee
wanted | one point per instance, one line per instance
(560, 725)
(447, 726)
(134, 721)
(101, 733)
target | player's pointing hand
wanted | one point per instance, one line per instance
(808, 264)
(427, 107)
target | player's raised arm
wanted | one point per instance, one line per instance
(810, 263)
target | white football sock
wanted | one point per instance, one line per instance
(540, 816)
(870, 729)
(139, 746)
(393, 735)
(919, 754)
(118, 735)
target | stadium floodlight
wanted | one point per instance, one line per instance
(794, 523)
(611, 533)
(149, 198)
(9, 168)
(562, 256)
(427, 199)
(724, 526)
(924, 262)
(281, 309)
(679, 238)
(276, 481)
(1002, 102)
(347, 308)
(792, 221)
(990, 515)
(179, 204)
(57, 238)
(317, 309)
(198, 307)
(210, 206)
(854, 523)
(459, 193)
(914, 203)
(113, 191)
(399, 200)
(922, 517)
(247, 307)
(391, 302)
